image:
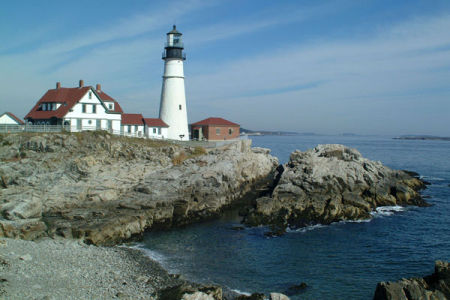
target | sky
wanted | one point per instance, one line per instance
(329, 67)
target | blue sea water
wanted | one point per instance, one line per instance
(339, 261)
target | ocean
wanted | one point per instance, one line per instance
(344, 260)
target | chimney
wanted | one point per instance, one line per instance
(58, 85)
(99, 87)
(81, 83)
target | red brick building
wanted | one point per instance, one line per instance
(214, 129)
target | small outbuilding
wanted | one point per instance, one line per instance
(214, 129)
(132, 125)
(155, 128)
(8, 118)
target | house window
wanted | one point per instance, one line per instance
(89, 122)
(94, 108)
(217, 131)
(135, 128)
(179, 106)
(90, 95)
(154, 130)
(159, 130)
(83, 108)
(230, 131)
(129, 128)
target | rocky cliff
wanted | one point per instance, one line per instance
(102, 188)
(435, 286)
(332, 183)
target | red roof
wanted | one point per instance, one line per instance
(132, 119)
(107, 98)
(152, 122)
(67, 96)
(215, 121)
(12, 116)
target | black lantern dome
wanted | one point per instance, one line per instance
(174, 45)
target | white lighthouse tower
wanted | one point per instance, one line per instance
(172, 109)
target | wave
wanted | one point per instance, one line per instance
(153, 255)
(387, 210)
(382, 211)
(431, 178)
(305, 229)
(352, 221)
(240, 292)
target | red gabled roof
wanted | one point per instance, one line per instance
(12, 116)
(152, 122)
(215, 121)
(67, 96)
(117, 108)
(107, 98)
(132, 119)
(104, 96)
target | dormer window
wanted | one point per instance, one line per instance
(110, 106)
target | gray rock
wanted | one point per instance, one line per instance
(332, 183)
(278, 296)
(435, 286)
(105, 190)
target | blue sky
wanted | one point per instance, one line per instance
(367, 67)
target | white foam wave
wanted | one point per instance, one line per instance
(387, 210)
(305, 229)
(241, 293)
(431, 178)
(352, 221)
(153, 255)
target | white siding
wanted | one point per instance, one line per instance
(6, 119)
(156, 132)
(130, 130)
(89, 118)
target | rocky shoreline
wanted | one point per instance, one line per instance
(95, 188)
(332, 183)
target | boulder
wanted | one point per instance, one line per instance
(435, 286)
(332, 183)
(278, 296)
(187, 291)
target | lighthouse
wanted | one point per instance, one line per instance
(172, 108)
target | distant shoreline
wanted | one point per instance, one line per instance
(421, 137)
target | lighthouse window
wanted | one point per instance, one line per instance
(179, 106)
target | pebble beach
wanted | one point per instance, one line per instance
(69, 269)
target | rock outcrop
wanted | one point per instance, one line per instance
(332, 183)
(435, 286)
(103, 189)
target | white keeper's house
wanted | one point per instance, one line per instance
(79, 108)
(85, 108)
